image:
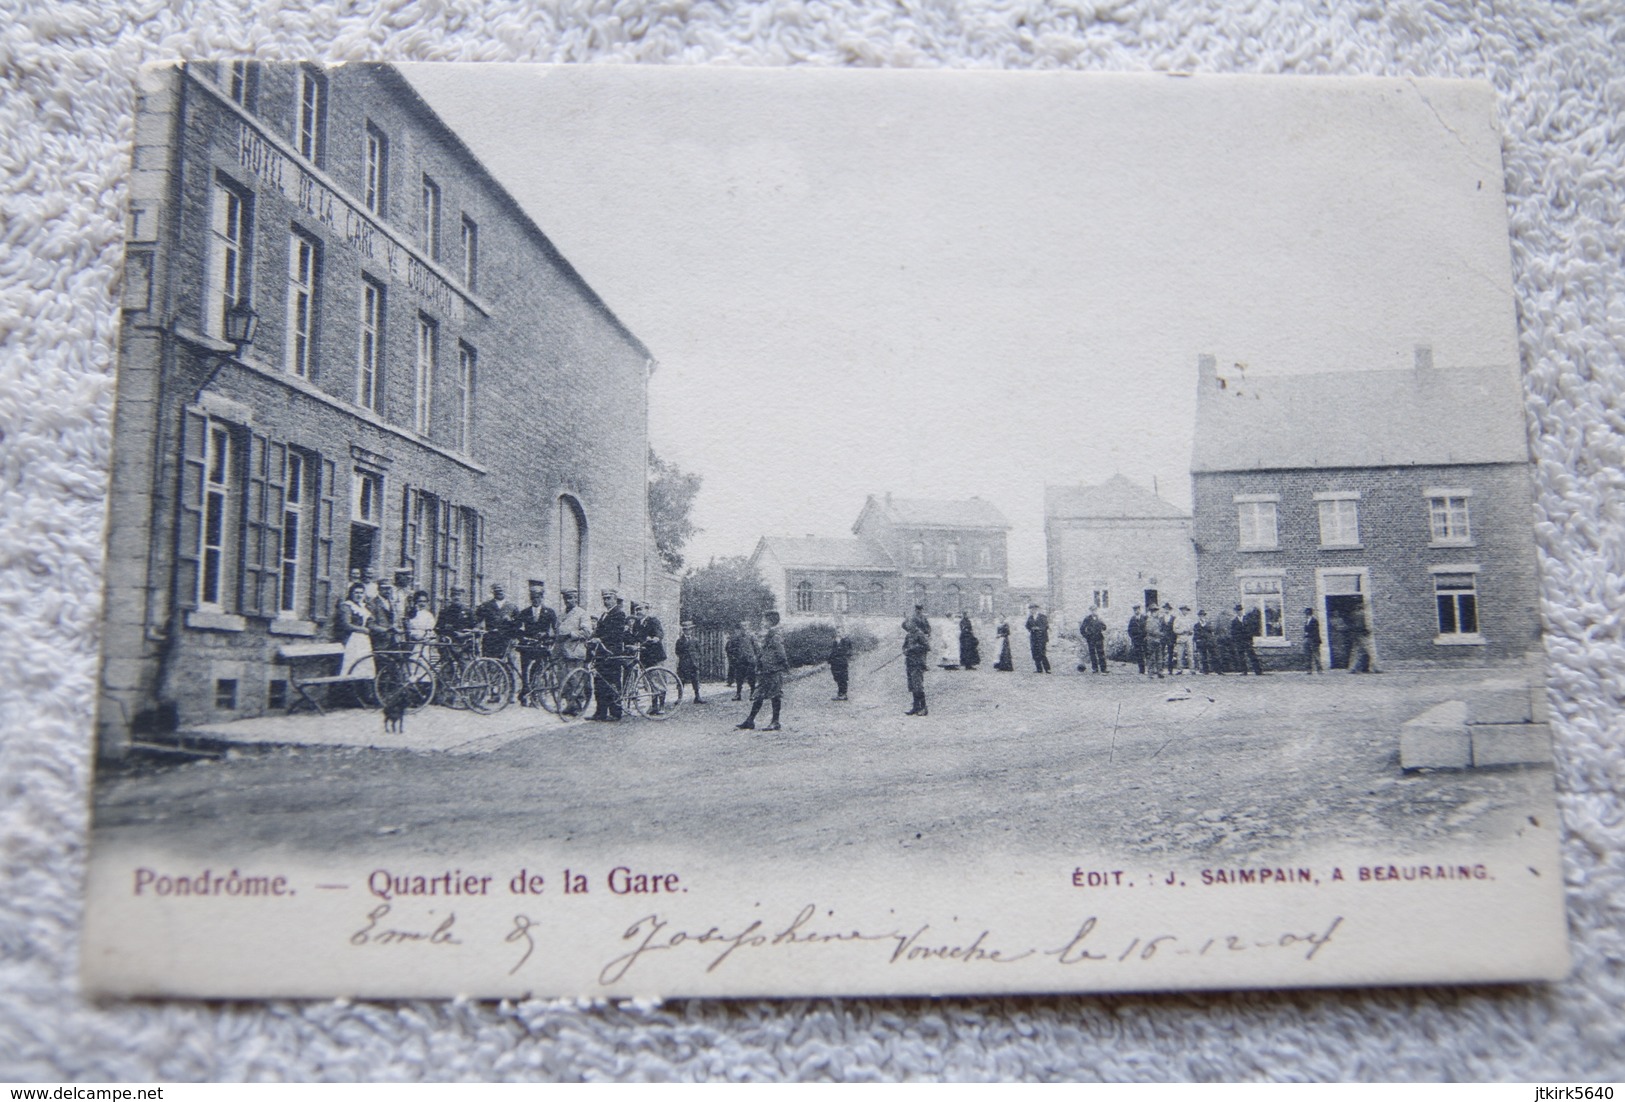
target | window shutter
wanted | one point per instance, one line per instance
(262, 537)
(452, 525)
(189, 530)
(442, 542)
(478, 523)
(409, 533)
(321, 587)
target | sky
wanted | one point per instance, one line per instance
(944, 284)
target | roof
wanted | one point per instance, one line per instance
(934, 513)
(1116, 497)
(1421, 417)
(817, 552)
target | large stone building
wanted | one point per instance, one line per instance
(1113, 546)
(948, 555)
(1403, 497)
(430, 388)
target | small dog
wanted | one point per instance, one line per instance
(395, 714)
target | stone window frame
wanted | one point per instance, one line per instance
(1248, 601)
(1449, 537)
(1341, 538)
(1455, 594)
(1248, 532)
(304, 288)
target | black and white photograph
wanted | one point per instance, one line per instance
(630, 532)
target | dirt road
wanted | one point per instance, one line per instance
(1224, 768)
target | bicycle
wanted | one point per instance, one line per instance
(543, 674)
(653, 693)
(465, 678)
(401, 680)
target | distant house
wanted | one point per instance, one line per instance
(1399, 497)
(1116, 545)
(947, 555)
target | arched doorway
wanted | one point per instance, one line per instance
(572, 529)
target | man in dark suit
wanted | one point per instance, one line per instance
(1311, 643)
(1038, 638)
(612, 638)
(496, 617)
(1093, 630)
(1243, 629)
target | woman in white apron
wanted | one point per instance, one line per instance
(351, 630)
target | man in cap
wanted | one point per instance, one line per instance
(1179, 654)
(1038, 638)
(916, 647)
(1136, 637)
(454, 619)
(688, 668)
(496, 617)
(612, 638)
(1207, 644)
(1093, 631)
(772, 664)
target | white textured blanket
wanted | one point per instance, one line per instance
(65, 129)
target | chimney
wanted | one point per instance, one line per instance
(1207, 372)
(1424, 359)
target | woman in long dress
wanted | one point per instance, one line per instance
(970, 650)
(1004, 663)
(350, 627)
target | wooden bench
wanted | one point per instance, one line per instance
(293, 654)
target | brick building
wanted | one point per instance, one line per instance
(1113, 546)
(430, 388)
(1400, 496)
(948, 555)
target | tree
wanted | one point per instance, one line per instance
(671, 501)
(724, 592)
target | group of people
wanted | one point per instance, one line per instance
(377, 615)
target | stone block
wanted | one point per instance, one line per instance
(1499, 702)
(1511, 743)
(1437, 739)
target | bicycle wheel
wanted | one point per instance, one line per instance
(365, 692)
(574, 693)
(406, 682)
(487, 685)
(656, 694)
(542, 678)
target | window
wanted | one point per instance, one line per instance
(1448, 518)
(572, 544)
(430, 229)
(804, 597)
(984, 601)
(916, 554)
(877, 597)
(302, 256)
(293, 513)
(217, 475)
(427, 341)
(310, 135)
(230, 237)
(953, 600)
(950, 556)
(368, 505)
(919, 593)
(375, 183)
(1339, 520)
(225, 693)
(369, 356)
(471, 254)
(465, 397)
(1457, 597)
(1264, 596)
(984, 559)
(839, 598)
(238, 78)
(1255, 517)
(1102, 598)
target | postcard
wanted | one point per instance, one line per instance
(636, 532)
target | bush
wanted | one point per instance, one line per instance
(809, 644)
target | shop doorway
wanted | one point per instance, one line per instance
(1343, 596)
